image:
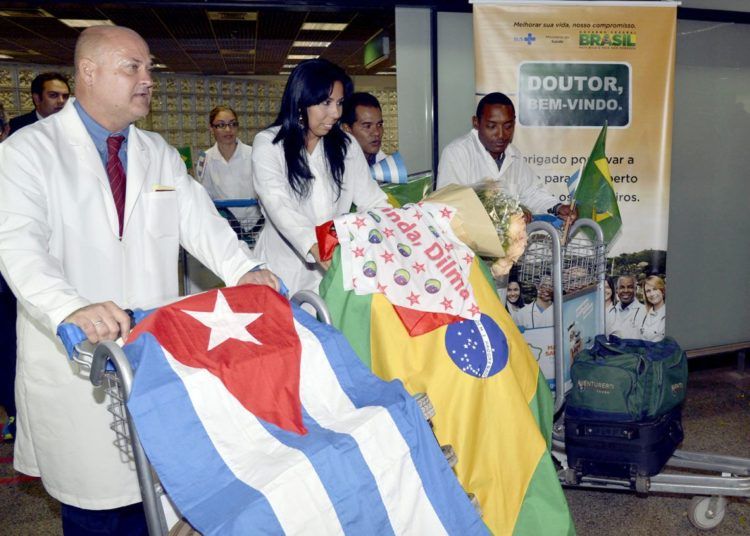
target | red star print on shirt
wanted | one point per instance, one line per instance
(413, 298)
(417, 215)
(388, 232)
(418, 267)
(359, 222)
(474, 309)
(381, 288)
(359, 252)
(447, 304)
(448, 247)
(446, 212)
(468, 258)
(387, 257)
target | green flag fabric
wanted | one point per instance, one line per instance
(409, 192)
(595, 195)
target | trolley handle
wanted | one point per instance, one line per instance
(231, 203)
(317, 303)
(76, 344)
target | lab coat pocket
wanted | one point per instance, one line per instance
(162, 219)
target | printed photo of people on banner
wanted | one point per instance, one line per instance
(592, 88)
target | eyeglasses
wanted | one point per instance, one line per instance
(224, 126)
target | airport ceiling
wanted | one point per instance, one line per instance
(211, 37)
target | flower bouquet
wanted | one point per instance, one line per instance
(507, 217)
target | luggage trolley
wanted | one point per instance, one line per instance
(577, 266)
(248, 226)
(108, 367)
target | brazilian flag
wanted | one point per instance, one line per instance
(399, 194)
(595, 195)
(492, 404)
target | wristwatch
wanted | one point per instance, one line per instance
(554, 209)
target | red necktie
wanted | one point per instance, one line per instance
(116, 174)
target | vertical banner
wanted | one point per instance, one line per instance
(570, 68)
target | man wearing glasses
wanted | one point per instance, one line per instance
(225, 170)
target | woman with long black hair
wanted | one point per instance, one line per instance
(307, 170)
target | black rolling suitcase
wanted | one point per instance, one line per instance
(622, 449)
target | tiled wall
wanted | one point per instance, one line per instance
(180, 104)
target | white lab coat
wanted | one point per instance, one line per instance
(653, 324)
(627, 322)
(59, 251)
(516, 313)
(231, 179)
(465, 161)
(610, 316)
(289, 232)
(533, 317)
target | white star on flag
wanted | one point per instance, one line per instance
(225, 324)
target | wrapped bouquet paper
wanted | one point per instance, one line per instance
(488, 221)
(471, 223)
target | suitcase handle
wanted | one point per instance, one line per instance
(588, 430)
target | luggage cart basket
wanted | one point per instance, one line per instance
(246, 223)
(577, 265)
(108, 367)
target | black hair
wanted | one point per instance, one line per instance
(37, 84)
(494, 98)
(610, 282)
(357, 99)
(310, 83)
(519, 303)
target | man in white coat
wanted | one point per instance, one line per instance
(70, 254)
(487, 152)
(629, 312)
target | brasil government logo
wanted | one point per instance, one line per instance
(606, 40)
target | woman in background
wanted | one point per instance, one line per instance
(226, 170)
(308, 171)
(514, 300)
(610, 302)
(653, 325)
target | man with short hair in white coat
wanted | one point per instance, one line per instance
(487, 152)
(629, 312)
(73, 253)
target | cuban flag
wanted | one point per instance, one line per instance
(390, 169)
(258, 419)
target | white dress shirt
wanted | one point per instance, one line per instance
(231, 179)
(465, 161)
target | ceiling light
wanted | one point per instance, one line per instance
(325, 26)
(159, 66)
(5, 57)
(311, 44)
(86, 23)
(231, 52)
(388, 73)
(24, 13)
(289, 65)
(302, 56)
(285, 72)
(232, 15)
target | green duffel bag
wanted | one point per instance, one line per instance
(627, 379)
